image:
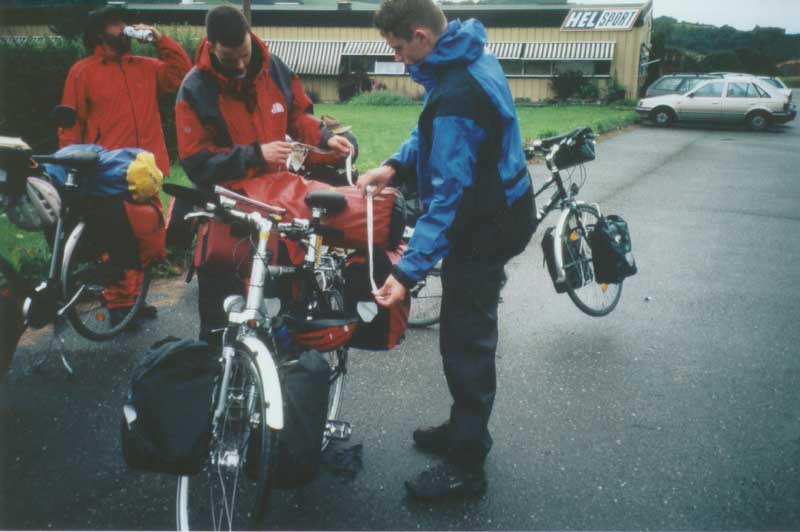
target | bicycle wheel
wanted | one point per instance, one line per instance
(338, 362)
(231, 491)
(595, 299)
(85, 274)
(426, 300)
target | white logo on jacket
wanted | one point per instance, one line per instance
(277, 108)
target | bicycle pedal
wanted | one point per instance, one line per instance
(338, 430)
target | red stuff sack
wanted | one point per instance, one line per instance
(388, 328)
(289, 191)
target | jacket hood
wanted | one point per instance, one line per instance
(202, 60)
(461, 42)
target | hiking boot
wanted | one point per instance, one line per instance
(433, 439)
(447, 480)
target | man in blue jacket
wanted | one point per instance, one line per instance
(466, 153)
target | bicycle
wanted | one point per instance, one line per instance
(571, 253)
(232, 490)
(79, 269)
(573, 267)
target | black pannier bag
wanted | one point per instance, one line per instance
(612, 254)
(166, 422)
(572, 273)
(305, 387)
(583, 151)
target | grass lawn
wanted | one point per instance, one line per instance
(380, 131)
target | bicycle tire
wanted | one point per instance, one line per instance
(232, 489)
(83, 268)
(592, 298)
(338, 362)
(426, 300)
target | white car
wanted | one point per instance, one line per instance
(743, 99)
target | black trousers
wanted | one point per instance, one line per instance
(471, 283)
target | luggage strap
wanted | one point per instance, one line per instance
(370, 190)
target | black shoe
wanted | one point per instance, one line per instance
(433, 439)
(447, 480)
(146, 312)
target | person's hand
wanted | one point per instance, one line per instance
(393, 292)
(156, 34)
(376, 177)
(277, 152)
(340, 145)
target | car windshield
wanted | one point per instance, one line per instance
(691, 83)
(667, 84)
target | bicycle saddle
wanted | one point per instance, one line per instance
(81, 161)
(330, 200)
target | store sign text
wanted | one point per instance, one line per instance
(600, 19)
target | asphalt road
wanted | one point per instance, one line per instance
(680, 410)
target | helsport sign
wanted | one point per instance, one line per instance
(599, 19)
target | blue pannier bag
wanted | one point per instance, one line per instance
(128, 172)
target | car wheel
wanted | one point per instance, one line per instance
(758, 121)
(662, 116)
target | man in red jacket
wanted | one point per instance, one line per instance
(116, 95)
(233, 113)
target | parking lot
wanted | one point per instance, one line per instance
(680, 410)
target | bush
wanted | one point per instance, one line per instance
(352, 84)
(614, 92)
(381, 98)
(588, 91)
(566, 84)
(32, 84)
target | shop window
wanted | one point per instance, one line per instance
(538, 68)
(512, 67)
(373, 64)
(602, 68)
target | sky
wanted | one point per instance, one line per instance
(741, 14)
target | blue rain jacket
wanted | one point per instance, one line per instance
(466, 151)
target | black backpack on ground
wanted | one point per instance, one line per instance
(305, 389)
(612, 254)
(166, 422)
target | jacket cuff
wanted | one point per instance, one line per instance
(253, 156)
(326, 136)
(403, 278)
(394, 163)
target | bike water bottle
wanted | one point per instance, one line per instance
(139, 35)
(283, 339)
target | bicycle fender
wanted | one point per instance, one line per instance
(69, 249)
(269, 381)
(561, 276)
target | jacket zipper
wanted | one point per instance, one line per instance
(133, 107)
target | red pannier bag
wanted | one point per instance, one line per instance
(149, 230)
(220, 246)
(388, 328)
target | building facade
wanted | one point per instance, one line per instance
(330, 46)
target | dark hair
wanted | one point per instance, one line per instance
(402, 17)
(96, 24)
(227, 26)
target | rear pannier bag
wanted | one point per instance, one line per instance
(388, 328)
(612, 253)
(221, 246)
(133, 234)
(166, 421)
(572, 274)
(305, 388)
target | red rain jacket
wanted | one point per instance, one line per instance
(117, 99)
(222, 122)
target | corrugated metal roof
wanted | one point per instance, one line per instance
(505, 50)
(368, 48)
(569, 50)
(309, 57)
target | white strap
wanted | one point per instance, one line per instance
(349, 163)
(370, 190)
